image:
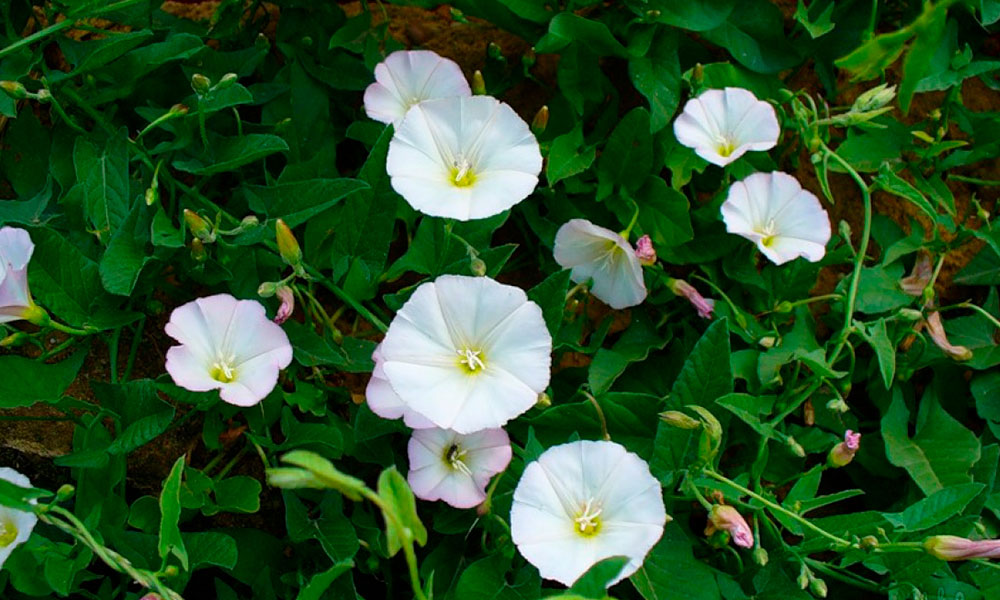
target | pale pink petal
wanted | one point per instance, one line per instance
(406, 78)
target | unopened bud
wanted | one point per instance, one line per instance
(65, 492)
(14, 89)
(227, 80)
(543, 401)
(818, 587)
(494, 51)
(653, 14)
(838, 405)
(178, 109)
(768, 341)
(199, 227)
(845, 230)
(170, 571)
(288, 246)
(541, 121)
(795, 447)
(249, 222)
(784, 307)
(477, 266)
(152, 195)
(14, 340)
(198, 252)
(267, 289)
(843, 453)
(645, 252)
(478, 83)
(697, 75)
(869, 541)
(676, 418)
(44, 96)
(287, 297)
(875, 98)
(803, 578)
(200, 84)
(760, 556)
(910, 314)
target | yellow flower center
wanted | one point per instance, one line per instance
(471, 361)
(222, 370)
(8, 532)
(587, 522)
(461, 173)
(768, 232)
(725, 147)
(453, 457)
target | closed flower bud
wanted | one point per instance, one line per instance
(478, 83)
(477, 266)
(843, 453)
(818, 587)
(803, 578)
(760, 556)
(65, 492)
(910, 314)
(703, 306)
(677, 419)
(544, 401)
(199, 227)
(267, 289)
(178, 109)
(200, 84)
(287, 297)
(288, 246)
(875, 98)
(227, 80)
(541, 121)
(249, 222)
(644, 251)
(951, 547)
(795, 447)
(44, 96)
(198, 252)
(784, 307)
(14, 340)
(768, 341)
(838, 405)
(494, 51)
(869, 541)
(14, 89)
(726, 518)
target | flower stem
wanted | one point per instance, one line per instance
(839, 541)
(600, 414)
(67, 329)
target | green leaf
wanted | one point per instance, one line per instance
(299, 201)
(231, 153)
(211, 548)
(93, 54)
(634, 345)
(485, 580)
(320, 582)
(870, 59)
(693, 16)
(818, 26)
(396, 493)
(664, 214)
(989, 11)
(896, 185)
(36, 381)
(237, 494)
(877, 336)
(24, 160)
(550, 295)
(594, 583)
(126, 254)
(940, 454)
(657, 76)
(567, 27)
(566, 158)
(754, 35)
(930, 28)
(142, 432)
(170, 540)
(983, 269)
(628, 155)
(935, 508)
(103, 180)
(707, 373)
(671, 572)
(986, 390)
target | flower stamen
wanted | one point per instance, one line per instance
(587, 523)
(471, 359)
(222, 369)
(462, 175)
(8, 532)
(453, 457)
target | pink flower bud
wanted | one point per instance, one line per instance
(644, 251)
(703, 305)
(843, 453)
(936, 330)
(951, 547)
(919, 277)
(723, 517)
(287, 298)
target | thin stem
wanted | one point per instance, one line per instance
(113, 354)
(67, 329)
(691, 487)
(134, 349)
(58, 349)
(411, 556)
(600, 414)
(839, 541)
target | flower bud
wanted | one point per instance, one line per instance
(249, 222)
(910, 314)
(795, 447)
(152, 195)
(838, 405)
(803, 578)
(65, 492)
(677, 419)
(14, 340)
(198, 252)
(171, 571)
(200, 84)
(44, 96)
(178, 110)
(544, 401)
(227, 80)
(697, 75)
(844, 228)
(478, 83)
(477, 266)
(704, 306)
(726, 518)
(818, 587)
(541, 121)
(288, 246)
(768, 341)
(494, 51)
(843, 453)
(199, 227)
(875, 98)
(267, 289)
(951, 547)
(784, 307)
(14, 89)
(644, 251)
(869, 541)
(287, 297)
(760, 556)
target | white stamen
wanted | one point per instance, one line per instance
(587, 522)
(472, 360)
(455, 456)
(463, 166)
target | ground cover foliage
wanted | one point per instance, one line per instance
(161, 153)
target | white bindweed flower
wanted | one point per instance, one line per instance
(722, 125)
(784, 220)
(456, 468)
(15, 252)
(385, 402)
(463, 158)
(229, 345)
(582, 502)
(465, 353)
(408, 77)
(15, 525)
(596, 253)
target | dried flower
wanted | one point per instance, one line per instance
(935, 329)
(287, 297)
(703, 305)
(645, 252)
(843, 453)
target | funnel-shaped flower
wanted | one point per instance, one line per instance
(784, 220)
(951, 547)
(15, 252)
(15, 525)
(467, 353)
(582, 502)
(593, 252)
(456, 468)
(385, 402)
(463, 158)
(408, 77)
(723, 517)
(228, 345)
(722, 125)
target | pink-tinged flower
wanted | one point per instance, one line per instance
(951, 547)
(773, 211)
(15, 252)
(935, 329)
(406, 78)
(228, 345)
(582, 502)
(843, 453)
(15, 525)
(722, 125)
(386, 403)
(287, 297)
(723, 517)
(456, 468)
(466, 353)
(463, 158)
(914, 283)
(603, 256)
(703, 305)
(645, 252)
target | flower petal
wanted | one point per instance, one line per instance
(406, 78)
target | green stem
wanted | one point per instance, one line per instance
(411, 556)
(55, 351)
(134, 348)
(600, 414)
(839, 541)
(67, 329)
(978, 309)
(691, 487)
